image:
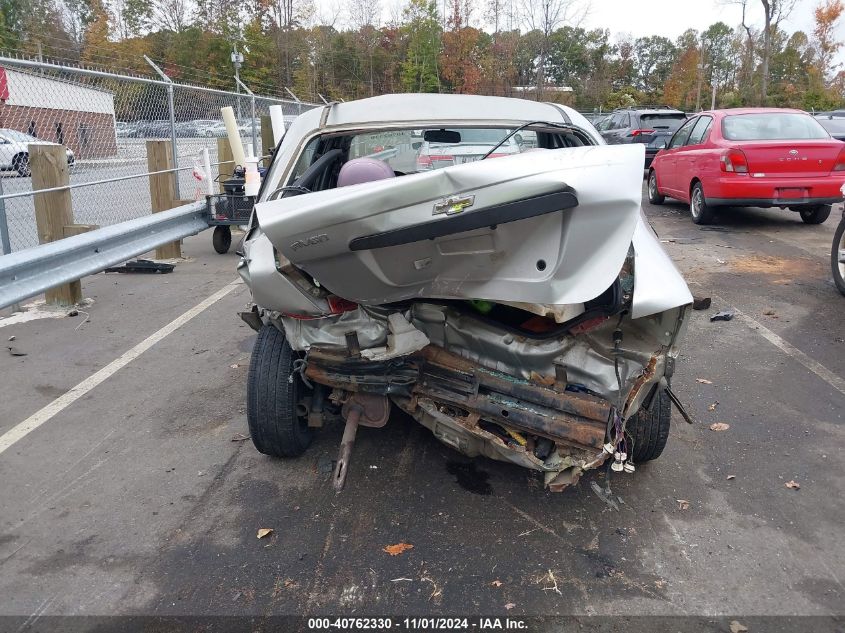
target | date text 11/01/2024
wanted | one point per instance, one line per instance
(417, 624)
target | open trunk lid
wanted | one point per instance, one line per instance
(550, 226)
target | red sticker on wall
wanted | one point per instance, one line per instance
(4, 85)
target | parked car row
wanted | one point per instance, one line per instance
(199, 128)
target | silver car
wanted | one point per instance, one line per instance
(520, 308)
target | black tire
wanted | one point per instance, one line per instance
(222, 239)
(272, 398)
(21, 165)
(838, 268)
(816, 214)
(654, 195)
(649, 430)
(700, 212)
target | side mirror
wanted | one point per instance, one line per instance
(663, 144)
(416, 145)
(518, 138)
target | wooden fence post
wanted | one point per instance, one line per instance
(267, 141)
(163, 190)
(53, 211)
(75, 287)
(226, 161)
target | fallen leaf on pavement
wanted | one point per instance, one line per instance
(239, 438)
(14, 351)
(792, 484)
(713, 406)
(736, 627)
(704, 381)
(683, 504)
(509, 606)
(729, 477)
(719, 426)
(264, 532)
(234, 365)
(395, 550)
(496, 583)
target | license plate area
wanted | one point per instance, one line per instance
(791, 193)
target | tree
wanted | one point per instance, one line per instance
(774, 11)
(826, 15)
(654, 56)
(545, 17)
(422, 30)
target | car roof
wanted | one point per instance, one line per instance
(730, 111)
(650, 110)
(405, 108)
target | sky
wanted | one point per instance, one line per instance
(670, 18)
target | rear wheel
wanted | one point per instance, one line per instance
(222, 239)
(649, 429)
(21, 164)
(699, 210)
(837, 257)
(276, 413)
(654, 196)
(815, 214)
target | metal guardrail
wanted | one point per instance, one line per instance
(31, 271)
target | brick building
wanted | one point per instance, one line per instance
(80, 117)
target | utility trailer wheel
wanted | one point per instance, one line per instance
(277, 416)
(649, 430)
(222, 239)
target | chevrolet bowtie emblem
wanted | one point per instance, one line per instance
(453, 205)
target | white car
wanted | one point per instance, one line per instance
(14, 151)
(443, 148)
(520, 308)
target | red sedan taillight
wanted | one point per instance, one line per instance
(641, 132)
(734, 161)
(840, 161)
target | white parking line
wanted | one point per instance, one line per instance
(22, 429)
(834, 380)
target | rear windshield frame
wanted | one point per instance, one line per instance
(677, 118)
(797, 116)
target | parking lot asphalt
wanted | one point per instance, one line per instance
(141, 496)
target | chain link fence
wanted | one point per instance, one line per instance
(104, 121)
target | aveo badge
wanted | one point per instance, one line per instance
(453, 205)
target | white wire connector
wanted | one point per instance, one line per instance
(629, 467)
(608, 448)
(617, 466)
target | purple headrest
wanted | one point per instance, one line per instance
(360, 170)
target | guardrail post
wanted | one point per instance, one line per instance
(226, 163)
(267, 141)
(163, 190)
(53, 210)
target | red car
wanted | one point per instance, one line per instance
(750, 157)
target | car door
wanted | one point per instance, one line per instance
(540, 227)
(668, 177)
(690, 161)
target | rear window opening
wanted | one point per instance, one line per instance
(669, 122)
(772, 126)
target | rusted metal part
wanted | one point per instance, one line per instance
(339, 476)
(643, 379)
(565, 479)
(574, 418)
(375, 410)
(577, 404)
(524, 416)
(334, 368)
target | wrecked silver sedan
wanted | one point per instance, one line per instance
(515, 303)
